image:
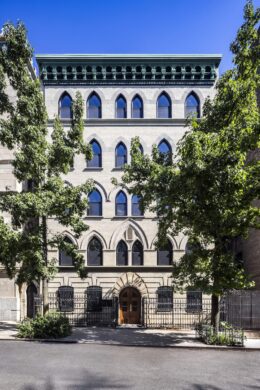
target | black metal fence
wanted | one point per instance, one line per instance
(240, 309)
(180, 313)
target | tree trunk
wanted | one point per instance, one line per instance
(45, 256)
(215, 311)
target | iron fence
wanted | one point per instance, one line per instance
(180, 313)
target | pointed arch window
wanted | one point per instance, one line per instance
(65, 106)
(96, 161)
(121, 155)
(121, 107)
(94, 106)
(192, 106)
(95, 252)
(137, 253)
(65, 260)
(121, 253)
(121, 204)
(165, 152)
(137, 107)
(95, 203)
(165, 254)
(164, 106)
(136, 209)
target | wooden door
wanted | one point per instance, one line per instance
(130, 306)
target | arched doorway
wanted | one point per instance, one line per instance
(130, 306)
(31, 292)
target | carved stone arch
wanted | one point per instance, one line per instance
(170, 238)
(95, 91)
(165, 137)
(183, 242)
(195, 91)
(118, 234)
(96, 137)
(113, 193)
(88, 237)
(101, 189)
(167, 92)
(130, 279)
(120, 92)
(60, 93)
(66, 233)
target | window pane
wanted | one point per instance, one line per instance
(136, 211)
(164, 106)
(95, 253)
(97, 159)
(121, 254)
(194, 301)
(65, 295)
(94, 107)
(94, 298)
(94, 203)
(121, 108)
(64, 258)
(192, 106)
(137, 253)
(137, 108)
(121, 209)
(121, 155)
(165, 299)
(65, 107)
(164, 255)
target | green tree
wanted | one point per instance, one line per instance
(208, 189)
(42, 160)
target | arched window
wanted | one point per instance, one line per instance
(121, 107)
(165, 254)
(137, 253)
(165, 152)
(121, 155)
(94, 106)
(137, 107)
(65, 260)
(164, 106)
(95, 203)
(65, 106)
(65, 295)
(141, 148)
(93, 295)
(121, 253)
(95, 252)
(192, 106)
(136, 210)
(165, 298)
(96, 161)
(121, 204)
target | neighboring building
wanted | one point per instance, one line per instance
(125, 96)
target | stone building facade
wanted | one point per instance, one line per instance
(125, 96)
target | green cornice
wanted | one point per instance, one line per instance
(141, 69)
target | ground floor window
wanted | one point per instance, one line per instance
(94, 298)
(65, 295)
(164, 298)
(194, 301)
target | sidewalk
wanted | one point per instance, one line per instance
(129, 337)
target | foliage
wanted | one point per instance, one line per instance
(41, 160)
(207, 191)
(49, 326)
(228, 335)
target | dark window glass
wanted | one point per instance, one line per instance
(65, 295)
(94, 298)
(165, 152)
(164, 254)
(95, 203)
(141, 149)
(96, 161)
(165, 298)
(192, 106)
(164, 109)
(94, 106)
(137, 107)
(121, 253)
(121, 110)
(121, 155)
(137, 253)
(65, 106)
(194, 301)
(64, 258)
(136, 211)
(95, 252)
(121, 204)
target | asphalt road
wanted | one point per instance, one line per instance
(42, 366)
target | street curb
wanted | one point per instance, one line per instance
(194, 347)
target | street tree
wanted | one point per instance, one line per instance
(207, 189)
(41, 161)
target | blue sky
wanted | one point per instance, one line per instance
(135, 26)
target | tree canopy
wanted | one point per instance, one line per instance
(207, 189)
(42, 158)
